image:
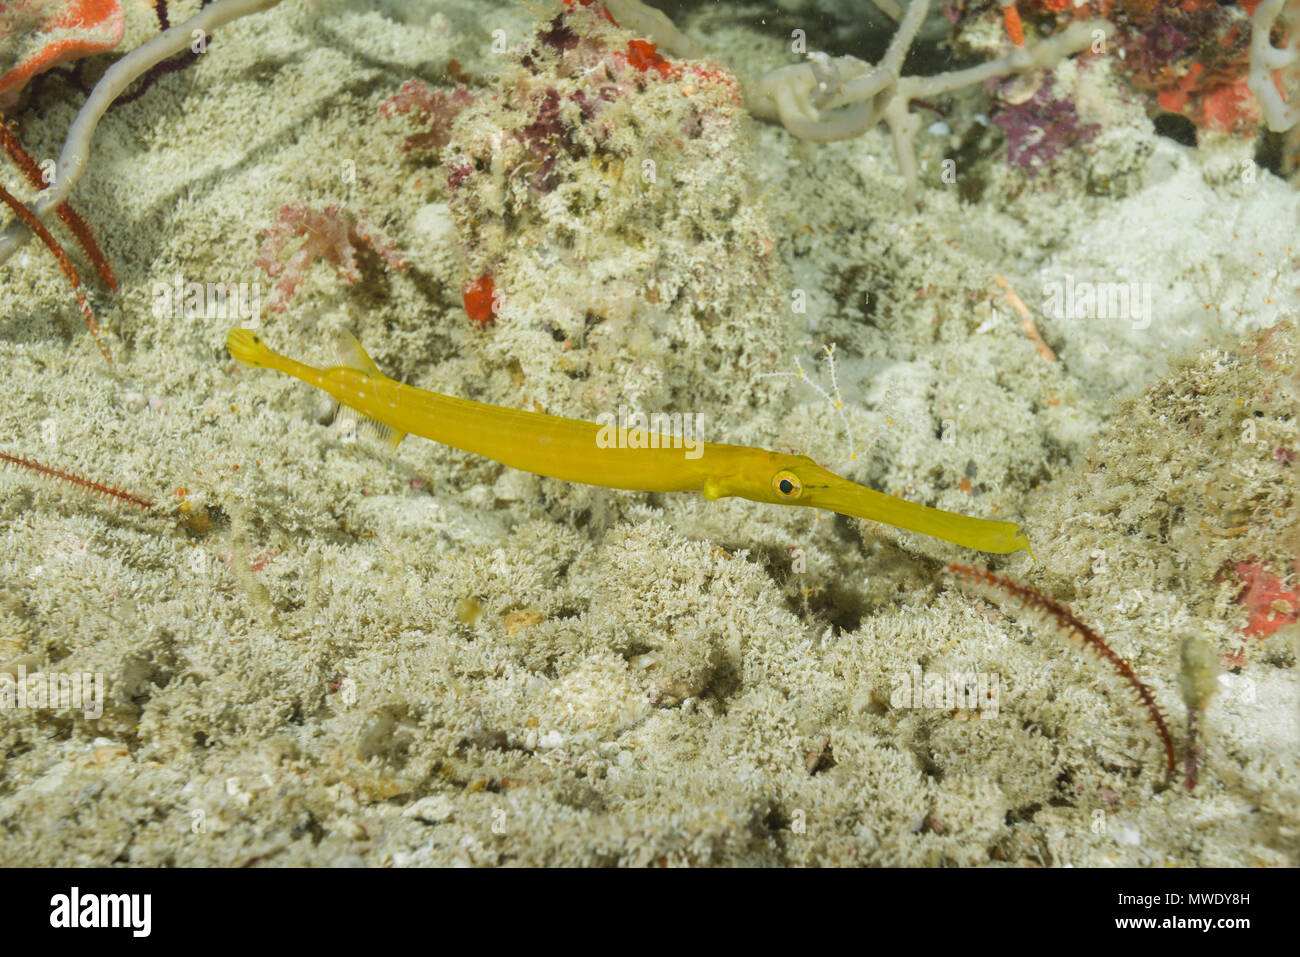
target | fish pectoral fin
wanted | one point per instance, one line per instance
(714, 488)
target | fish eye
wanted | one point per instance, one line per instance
(787, 485)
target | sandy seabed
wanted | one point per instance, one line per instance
(317, 650)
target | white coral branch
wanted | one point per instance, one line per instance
(839, 98)
(76, 148)
(1265, 58)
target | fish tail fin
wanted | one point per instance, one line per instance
(247, 346)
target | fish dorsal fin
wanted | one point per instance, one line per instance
(352, 355)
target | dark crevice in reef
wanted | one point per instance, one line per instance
(1176, 127)
(1270, 152)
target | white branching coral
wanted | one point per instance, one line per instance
(76, 149)
(1281, 112)
(637, 17)
(835, 98)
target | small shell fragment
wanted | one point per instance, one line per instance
(468, 611)
(517, 621)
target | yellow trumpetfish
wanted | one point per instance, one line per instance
(576, 451)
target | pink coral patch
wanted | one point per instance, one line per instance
(437, 108)
(36, 35)
(1270, 603)
(330, 235)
